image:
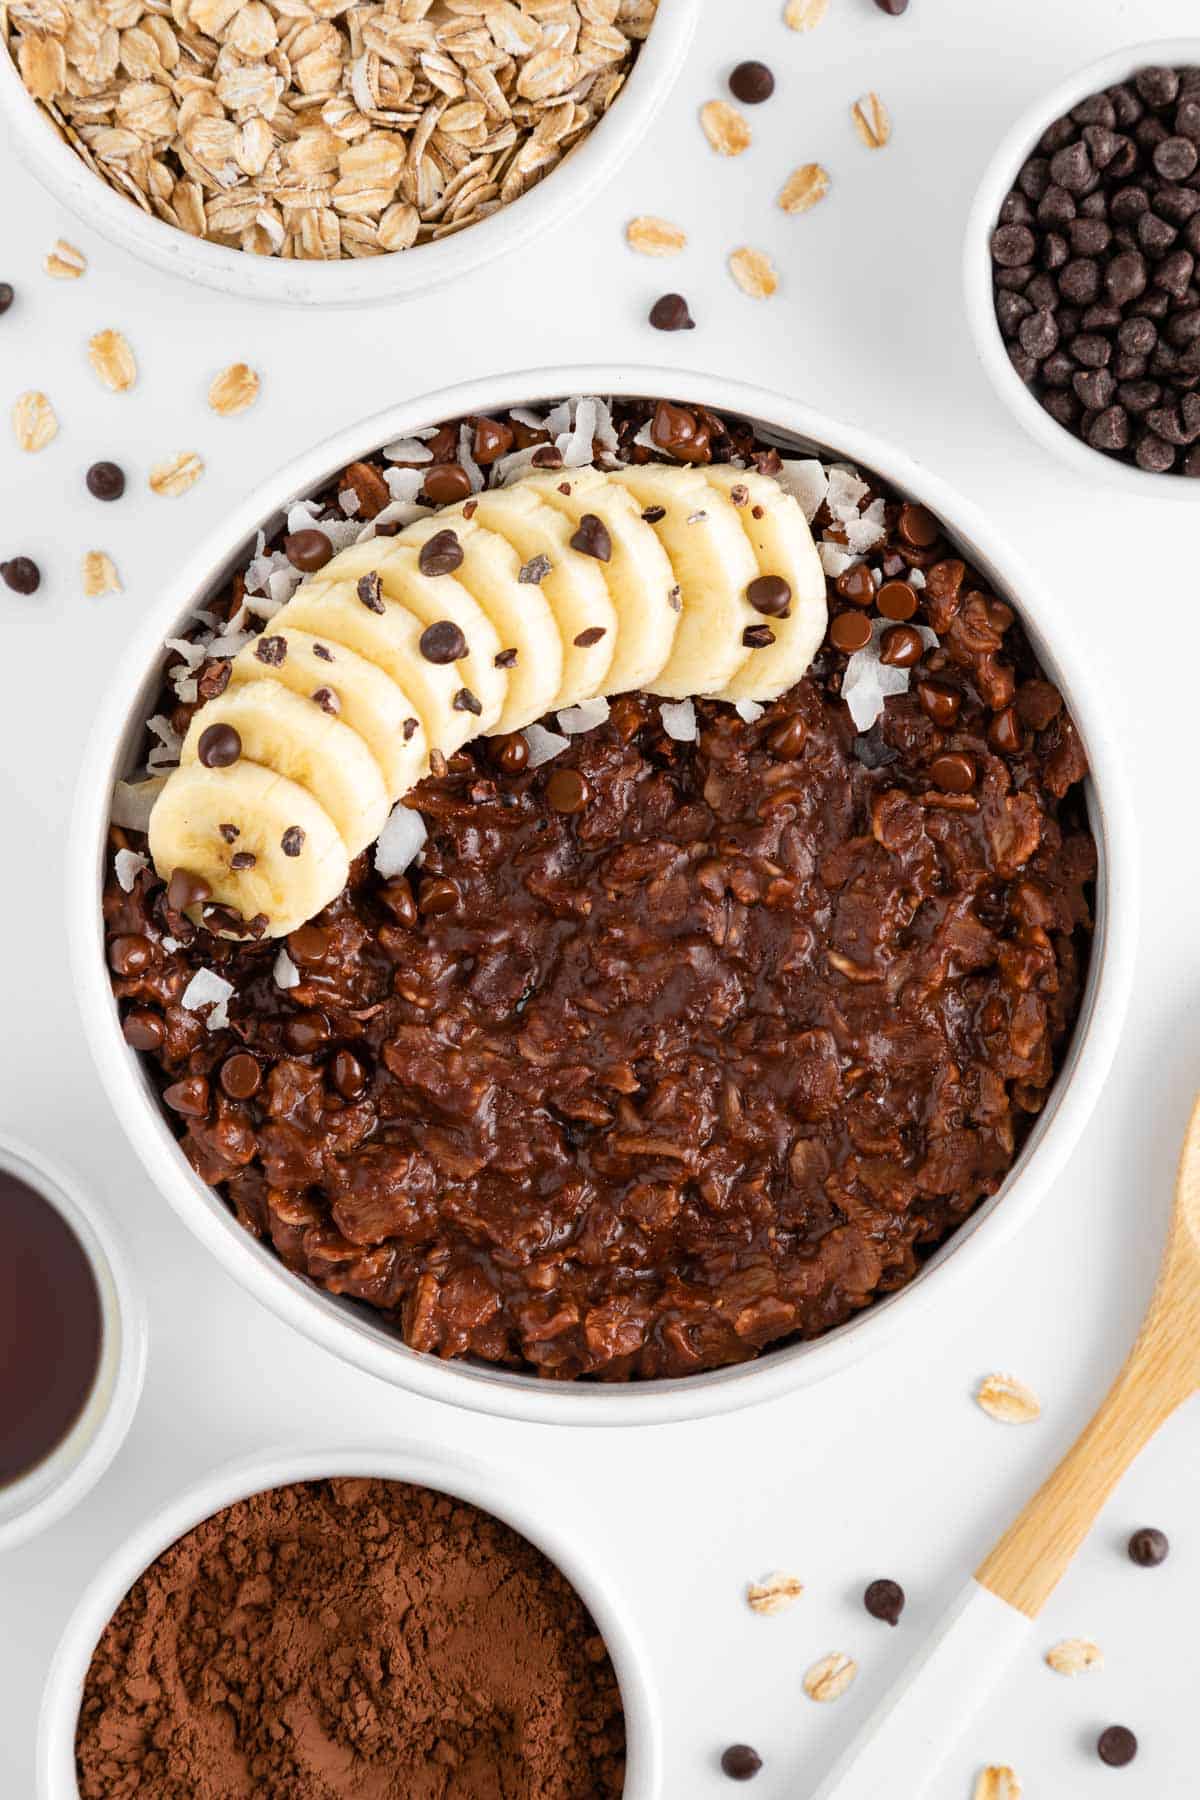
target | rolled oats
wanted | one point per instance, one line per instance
(177, 476)
(112, 360)
(754, 272)
(655, 237)
(725, 128)
(34, 423)
(997, 1782)
(774, 1594)
(805, 15)
(829, 1678)
(1005, 1398)
(64, 262)
(233, 390)
(1075, 1655)
(871, 121)
(99, 575)
(803, 188)
(320, 128)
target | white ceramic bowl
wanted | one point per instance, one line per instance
(73, 1468)
(339, 1324)
(493, 1490)
(358, 280)
(1000, 175)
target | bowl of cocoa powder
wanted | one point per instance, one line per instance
(454, 1130)
(350, 1623)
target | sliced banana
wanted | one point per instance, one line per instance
(713, 564)
(359, 693)
(783, 546)
(432, 597)
(296, 737)
(572, 585)
(391, 639)
(524, 622)
(205, 818)
(640, 579)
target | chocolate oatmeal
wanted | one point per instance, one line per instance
(693, 1039)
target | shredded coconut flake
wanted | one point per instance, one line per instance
(584, 717)
(806, 481)
(169, 742)
(868, 682)
(170, 945)
(748, 710)
(510, 468)
(399, 841)
(645, 436)
(865, 530)
(187, 689)
(128, 865)
(576, 444)
(916, 578)
(287, 975)
(403, 484)
(408, 450)
(525, 416)
(133, 802)
(474, 472)
(192, 654)
(679, 720)
(543, 745)
(304, 515)
(846, 489)
(207, 988)
(350, 503)
(834, 559)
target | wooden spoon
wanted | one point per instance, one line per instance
(910, 1735)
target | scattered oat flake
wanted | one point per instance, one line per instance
(1005, 1398)
(65, 262)
(112, 360)
(773, 1595)
(34, 423)
(655, 237)
(871, 121)
(754, 272)
(177, 476)
(803, 188)
(805, 15)
(1074, 1656)
(725, 128)
(99, 575)
(233, 390)
(997, 1782)
(829, 1678)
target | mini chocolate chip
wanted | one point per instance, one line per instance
(757, 637)
(567, 791)
(901, 647)
(1079, 281)
(188, 1097)
(438, 896)
(592, 538)
(143, 1031)
(105, 480)
(240, 1076)
(1012, 245)
(6, 296)
(548, 456)
(1153, 453)
(848, 631)
(741, 1761)
(21, 574)
(591, 636)
(307, 550)
(953, 773)
(292, 841)
(770, 594)
(242, 859)
(1125, 276)
(505, 659)
(752, 83)
(443, 642)
(1109, 430)
(857, 585)
(1158, 86)
(884, 1600)
(1148, 1547)
(511, 752)
(1071, 168)
(918, 526)
(1038, 334)
(1175, 158)
(445, 483)
(670, 312)
(493, 439)
(441, 554)
(1116, 1746)
(369, 589)
(219, 747)
(347, 1074)
(185, 889)
(652, 514)
(535, 570)
(409, 727)
(466, 701)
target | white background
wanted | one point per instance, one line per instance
(890, 1469)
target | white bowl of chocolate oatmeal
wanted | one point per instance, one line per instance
(399, 1558)
(333, 161)
(764, 1027)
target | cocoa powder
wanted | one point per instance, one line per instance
(351, 1639)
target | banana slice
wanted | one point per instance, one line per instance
(296, 737)
(713, 564)
(204, 818)
(640, 579)
(391, 639)
(521, 614)
(362, 696)
(783, 546)
(431, 598)
(572, 585)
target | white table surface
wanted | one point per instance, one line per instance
(890, 1469)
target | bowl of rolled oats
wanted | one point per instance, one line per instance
(289, 150)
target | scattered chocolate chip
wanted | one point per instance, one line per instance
(307, 550)
(105, 481)
(320, 650)
(535, 570)
(6, 296)
(188, 1097)
(185, 889)
(306, 1033)
(592, 538)
(438, 895)
(953, 772)
(885, 1600)
(369, 589)
(591, 636)
(567, 791)
(548, 456)
(1116, 1746)
(680, 433)
(511, 752)
(770, 594)
(901, 647)
(347, 1074)
(242, 859)
(788, 740)
(757, 637)
(143, 1031)
(917, 526)
(850, 631)
(1149, 1547)
(271, 650)
(443, 642)
(857, 585)
(896, 601)
(466, 701)
(752, 83)
(445, 483)
(441, 554)
(505, 659)
(219, 747)
(327, 700)
(493, 439)
(740, 1761)
(670, 312)
(292, 841)
(21, 574)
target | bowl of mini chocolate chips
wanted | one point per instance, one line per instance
(1082, 284)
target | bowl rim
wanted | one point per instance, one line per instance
(326, 1320)
(493, 1487)
(358, 281)
(45, 1493)
(998, 178)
